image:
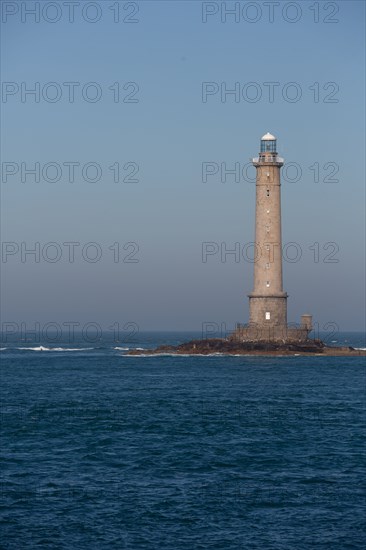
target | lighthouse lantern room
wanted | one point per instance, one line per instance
(268, 143)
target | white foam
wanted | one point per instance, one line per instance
(39, 348)
(121, 349)
(3, 349)
(361, 349)
(42, 348)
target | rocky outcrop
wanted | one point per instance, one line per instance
(212, 346)
(233, 347)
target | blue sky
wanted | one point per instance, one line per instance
(168, 132)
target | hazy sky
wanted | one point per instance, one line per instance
(142, 89)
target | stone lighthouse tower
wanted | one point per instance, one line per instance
(268, 301)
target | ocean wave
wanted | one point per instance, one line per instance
(361, 349)
(42, 348)
(128, 349)
(3, 349)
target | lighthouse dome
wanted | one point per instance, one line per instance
(268, 137)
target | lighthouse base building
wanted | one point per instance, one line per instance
(289, 334)
(268, 300)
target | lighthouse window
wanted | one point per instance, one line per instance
(268, 315)
(267, 284)
(267, 192)
(268, 145)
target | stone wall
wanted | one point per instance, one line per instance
(274, 306)
(262, 333)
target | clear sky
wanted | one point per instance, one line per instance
(297, 69)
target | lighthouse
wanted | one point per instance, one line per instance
(268, 300)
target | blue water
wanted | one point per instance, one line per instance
(105, 451)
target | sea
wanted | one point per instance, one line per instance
(101, 450)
